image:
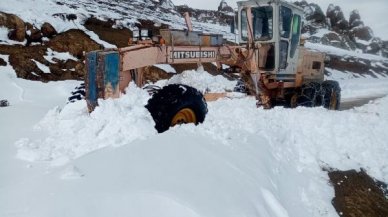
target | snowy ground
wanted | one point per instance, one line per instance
(56, 160)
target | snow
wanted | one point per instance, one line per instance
(241, 161)
(166, 67)
(342, 52)
(201, 80)
(58, 160)
(353, 87)
(42, 67)
(321, 32)
(64, 56)
(4, 37)
(73, 132)
(125, 15)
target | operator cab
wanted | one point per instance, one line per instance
(273, 26)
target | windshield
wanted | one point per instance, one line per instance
(262, 23)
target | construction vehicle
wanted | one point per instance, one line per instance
(269, 56)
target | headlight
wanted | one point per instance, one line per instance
(144, 33)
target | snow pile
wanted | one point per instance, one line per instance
(201, 80)
(308, 136)
(242, 160)
(72, 132)
(359, 87)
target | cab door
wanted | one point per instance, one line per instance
(289, 31)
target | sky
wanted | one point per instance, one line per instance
(373, 12)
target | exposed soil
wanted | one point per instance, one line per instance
(22, 58)
(106, 32)
(359, 195)
(154, 74)
(2, 62)
(74, 41)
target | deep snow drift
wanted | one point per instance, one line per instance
(242, 161)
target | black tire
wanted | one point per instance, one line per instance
(332, 95)
(170, 100)
(310, 95)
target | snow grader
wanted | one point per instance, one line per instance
(270, 58)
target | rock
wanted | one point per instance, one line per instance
(224, 7)
(384, 49)
(337, 19)
(166, 4)
(375, 46)
(363, 32)
(337, 40)
(116, 36)
(48, 30)
(66, 17)
(33, 34)
(15, 24)
(2, 62)
(355, 19)
(315, 14)
(4, 103)
(74, 41)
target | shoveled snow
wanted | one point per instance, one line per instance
(74, 133)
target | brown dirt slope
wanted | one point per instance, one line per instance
(358, 195)
(23, 58)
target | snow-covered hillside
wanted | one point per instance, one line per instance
(125, 14)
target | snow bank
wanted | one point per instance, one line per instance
(242, 161)
(353, 87)
(342, 52)
(72, 132)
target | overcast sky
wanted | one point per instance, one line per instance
(374, 13)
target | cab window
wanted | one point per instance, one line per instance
(295, 37)
(262, 23)
(244, 25)
(285, 22)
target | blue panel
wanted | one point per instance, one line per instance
(216, 40)
(90, 78)
(111, 72)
